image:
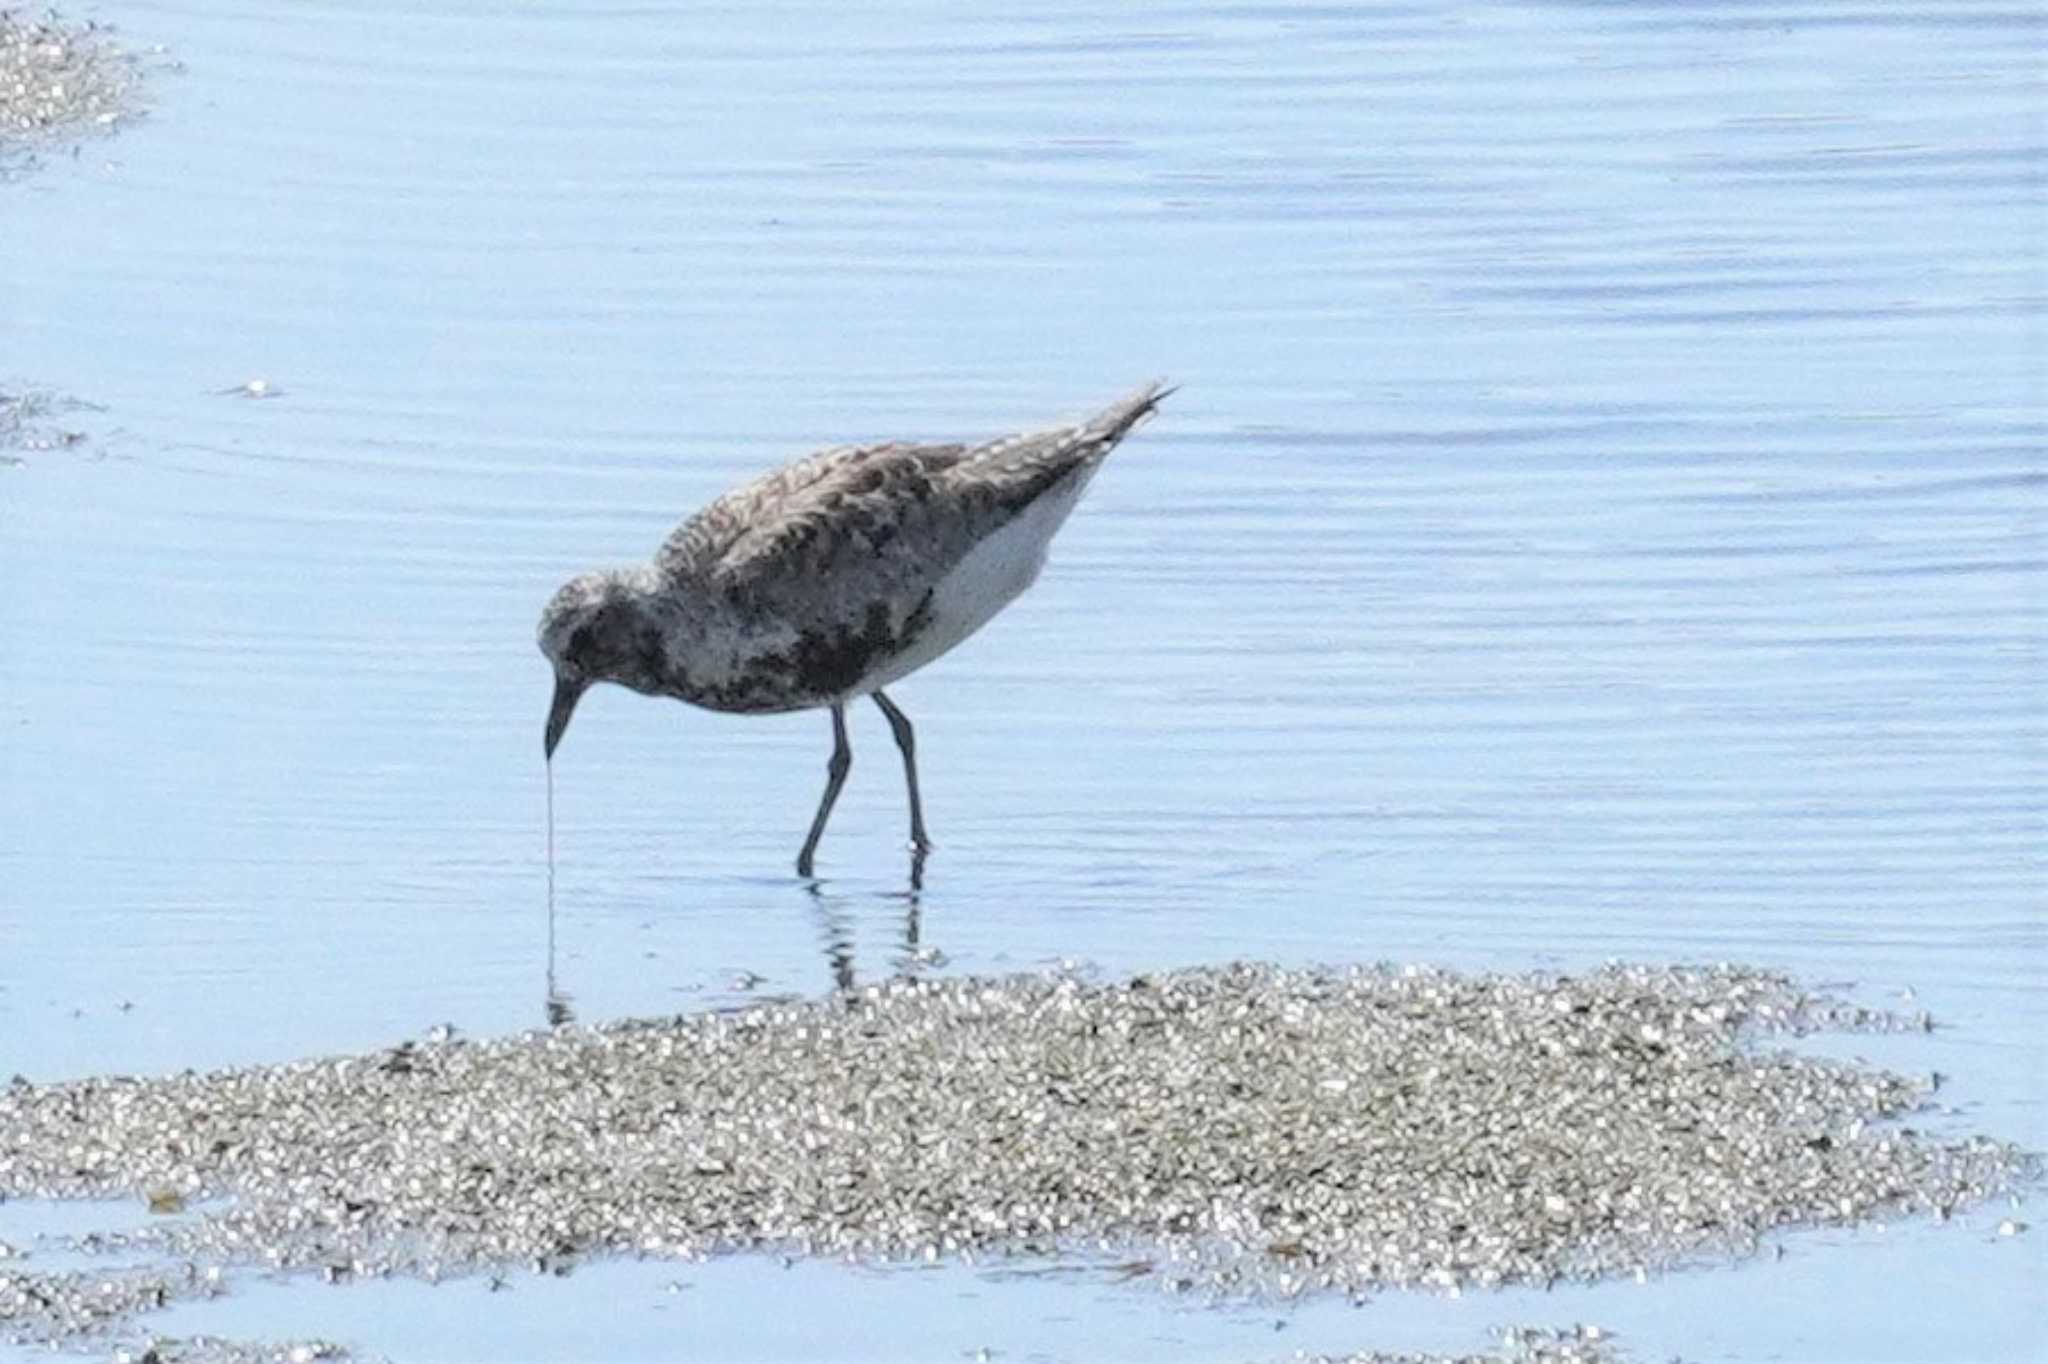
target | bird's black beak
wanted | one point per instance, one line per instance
(568, 691)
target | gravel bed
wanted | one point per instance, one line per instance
(59, 78)
(1234, 1130)
(25, 423)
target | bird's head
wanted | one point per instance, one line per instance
(578, 632)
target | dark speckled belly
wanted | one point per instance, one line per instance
(822, 666)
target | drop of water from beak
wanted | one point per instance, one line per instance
(551, 879)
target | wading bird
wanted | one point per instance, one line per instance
(827, 580)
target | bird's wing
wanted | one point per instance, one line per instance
(848, 502)
(862, 522)
(1008, 475)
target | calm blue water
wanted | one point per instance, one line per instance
(1603, 517)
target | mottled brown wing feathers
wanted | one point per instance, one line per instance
(761, 520)
(1010, 474)
(817, 518)
(893, 513)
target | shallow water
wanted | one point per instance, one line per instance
(1603, 517)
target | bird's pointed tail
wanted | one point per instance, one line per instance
(1115, 421)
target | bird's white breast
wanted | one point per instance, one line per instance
(987, 579)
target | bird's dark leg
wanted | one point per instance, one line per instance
(835, 777)
(899, 725)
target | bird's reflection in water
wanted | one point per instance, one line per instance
(836, 922)
(835, 916)
(913, 913)
(835, 930)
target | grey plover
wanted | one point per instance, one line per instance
(827, 580)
